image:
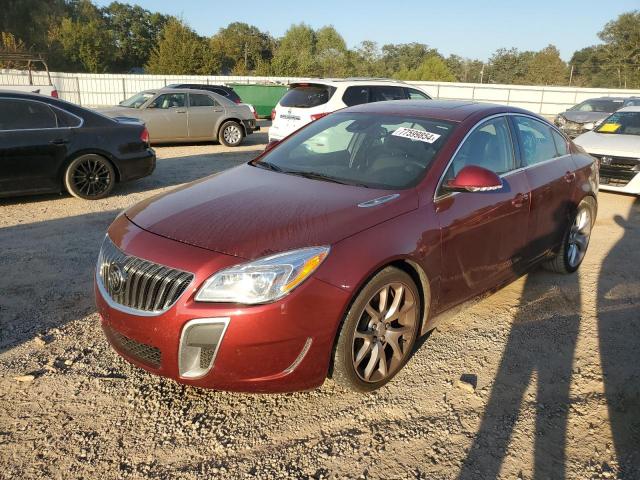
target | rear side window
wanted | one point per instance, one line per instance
(66, 119)
(199, 100)
(25, 114)
(414, 94)
(356, 96)
(307, 96)
(219, 91)
(536, 140)
(381, 94)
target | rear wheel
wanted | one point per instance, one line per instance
(378, 333)
(90, 177)
(230, 134)
(576, 240)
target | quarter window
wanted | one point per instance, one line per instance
(24, 114)
(198, 100)
(536, 140)
(414, 94)
(169, 100)
(356, 96)
(561, 143)
(489, 146)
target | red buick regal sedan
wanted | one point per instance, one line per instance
(334, 250)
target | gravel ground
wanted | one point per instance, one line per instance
(541, 380)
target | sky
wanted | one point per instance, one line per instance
(468, 28)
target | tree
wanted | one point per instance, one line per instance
(434, 68)
(136, 31)
(622, 46)
(181, 51)
(9, 44)
(244, 48)
(509, 66)
(295, 54)
(84, 39)
(546, 68)
(465, 69)
(405, 56)
(332, 53)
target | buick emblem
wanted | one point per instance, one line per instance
(116, 279)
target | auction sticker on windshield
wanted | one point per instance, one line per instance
(413, 134)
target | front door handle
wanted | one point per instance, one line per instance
(181, 111)
(59, 141)
(520, 200)
(569, 177)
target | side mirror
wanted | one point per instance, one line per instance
(473, 178)
(271, 144)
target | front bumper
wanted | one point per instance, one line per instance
(278, 347)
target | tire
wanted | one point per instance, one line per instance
(575, 241)
(357, 361)
(90, 177)
(230, 134)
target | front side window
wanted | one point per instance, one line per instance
(488, 146)
(536, 140)
(25, 114)
(199, 100)
(621, 123)
(169, 100)
(382, 94)
(378, 151)
(356, 96)
(307, 96)
(137, 100)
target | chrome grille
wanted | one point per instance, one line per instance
(139, 284)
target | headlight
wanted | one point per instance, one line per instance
(263, 280)
(560, 120)
(588, 126)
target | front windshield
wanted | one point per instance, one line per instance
(621, 123)
(378, 151)
(137, 100)
(600, 105)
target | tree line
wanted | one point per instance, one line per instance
(76, 35)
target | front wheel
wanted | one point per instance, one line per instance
(575, 241)
(90, 177)
(378, 333)
(230, 134)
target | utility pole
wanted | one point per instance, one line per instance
(246, 69)
(482, 72)
(571, 76)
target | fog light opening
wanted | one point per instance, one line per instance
(199, 344)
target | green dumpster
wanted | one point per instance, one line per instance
(263, 97)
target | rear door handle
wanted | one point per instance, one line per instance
(59, 141)
(181, 111)
(520, 200)
(569, 177)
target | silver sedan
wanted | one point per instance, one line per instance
(184, 115)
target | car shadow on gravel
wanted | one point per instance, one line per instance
(619, 342)
(47, 270)
(541, 348)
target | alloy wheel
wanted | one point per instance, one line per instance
(579, 235)
(232, 134)
(91, 177)
(383, 335)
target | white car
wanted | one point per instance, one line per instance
(615, 142)
(305, 102)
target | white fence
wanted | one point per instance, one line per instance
(108, 89)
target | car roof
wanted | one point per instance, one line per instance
(335, 82)
(451, 110)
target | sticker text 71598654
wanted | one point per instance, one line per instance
(419, 135)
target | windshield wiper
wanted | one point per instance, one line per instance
(322, 176)
(267, 166)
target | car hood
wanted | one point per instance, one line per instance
(584, 117)
(250, 212)
(610, 144)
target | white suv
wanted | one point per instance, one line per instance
(305, 102)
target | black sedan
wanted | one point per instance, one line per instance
(49, 145)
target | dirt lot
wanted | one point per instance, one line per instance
(555, 361)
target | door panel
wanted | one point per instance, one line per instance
(203, 116)
(550, 173)
(166, 117)
(483, 233)
(30, 160)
